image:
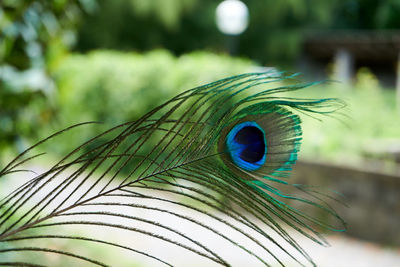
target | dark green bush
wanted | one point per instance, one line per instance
(34, 35)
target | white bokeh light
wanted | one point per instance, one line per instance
(232, 17)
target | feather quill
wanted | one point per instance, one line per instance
(222, 150)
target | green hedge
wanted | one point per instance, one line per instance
(115, 87)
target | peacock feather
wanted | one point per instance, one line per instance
(220, 152)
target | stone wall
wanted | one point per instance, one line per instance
(373, 199)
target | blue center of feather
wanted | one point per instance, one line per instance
(247, 145)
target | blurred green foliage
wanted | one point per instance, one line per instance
(115, 87)
(33, 37)
(366, 130)
(273, 38)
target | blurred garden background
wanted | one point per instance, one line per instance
(66, 62)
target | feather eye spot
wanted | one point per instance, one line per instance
(246, 145)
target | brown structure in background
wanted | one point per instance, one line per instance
(349, 50)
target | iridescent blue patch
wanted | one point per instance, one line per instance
(247, 145)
